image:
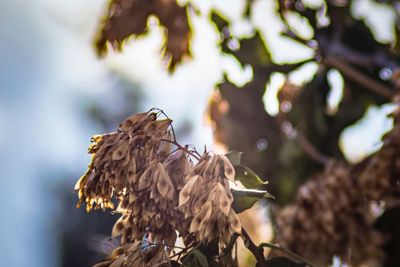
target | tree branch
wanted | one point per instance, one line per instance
(359, 77)
(311, 150)
(285, 250)
(257, 251)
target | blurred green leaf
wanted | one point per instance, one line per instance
(248, 178)
(234, 157)
(244, 199)
(195, 259)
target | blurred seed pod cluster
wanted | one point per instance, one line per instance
(332, 213)
(378, 176)
(328, 218)
(158, 190)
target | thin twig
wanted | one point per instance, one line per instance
(311, 150)
(285, 250)
(173, 132)
(295, 37)
(255, 250)
(359, 77)
(305, 144)
(172, 152)
(181, 148)
(179, 254)
(165, 114)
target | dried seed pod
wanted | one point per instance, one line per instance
(164, 184)
(229, 171)
(206, 200)
(234, 222)
(131, 121)
(224, 202)
(184, 195)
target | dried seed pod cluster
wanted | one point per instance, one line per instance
(157, 190)
(206, 200)
(330, 217)
(135, 165)
(119, 158)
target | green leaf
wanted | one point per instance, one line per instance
(283, 262)
(234, 157)
(195, 259)
(248, 178)
(244, 199)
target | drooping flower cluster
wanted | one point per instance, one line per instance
(157, 189)
(206, 200)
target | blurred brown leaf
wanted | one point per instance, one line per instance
(126, 18)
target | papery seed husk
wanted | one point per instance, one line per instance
(234, 222)
(118, 262)
(164, 183)
(194, 226)
(129, 122)
(121, 151)
(111, 139)
(224, 203)
(165, 147)
(199, 167)
(184, 195)
(228, 190)
(210, 167)
(229, 171)
(209, 208)
(161, 128)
